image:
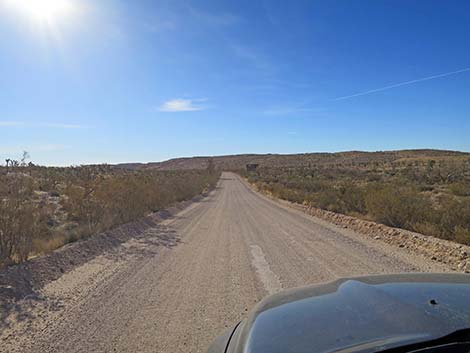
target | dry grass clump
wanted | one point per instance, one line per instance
(43, 208)
(424, 195)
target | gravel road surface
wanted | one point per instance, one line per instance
(235, 247)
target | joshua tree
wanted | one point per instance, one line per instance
(24, 158)
(11, 163)
(7, 164)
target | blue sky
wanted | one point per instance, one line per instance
(120, 81)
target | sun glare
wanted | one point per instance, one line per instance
(44, 10)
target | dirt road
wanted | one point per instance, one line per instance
(235, 247)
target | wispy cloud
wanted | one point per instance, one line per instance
(64, 126)
(271, 84)
(7, 123)
(188, 17)
(182, 105)
(160, 25)
(270, 12)
(289, 110)
(11, 123)
(213, 18)
(256, 58)
(245, 52)
(402, 84)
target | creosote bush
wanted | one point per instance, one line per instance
(426, 196)
(396, 206)
(44, 208)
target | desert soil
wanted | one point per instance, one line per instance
(235, 247)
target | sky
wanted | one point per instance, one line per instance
(86, 81)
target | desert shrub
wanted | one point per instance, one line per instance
(116, 199)
(345, 199)
(460, 188)
(425, 195)
(454, 219)
(397, 206)
(21, 218)
(462, 235)
(84, 208)
(428, 228)
(328, 199)
(352, 199)
(16, 227)
(291, 195)
(447, 218)
(93, 198)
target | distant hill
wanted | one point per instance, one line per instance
(232, 162)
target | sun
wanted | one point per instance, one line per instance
(43, 10)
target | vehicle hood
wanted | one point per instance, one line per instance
(364, 314)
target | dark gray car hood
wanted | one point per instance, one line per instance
(366, 314)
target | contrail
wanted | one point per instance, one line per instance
(402, 84)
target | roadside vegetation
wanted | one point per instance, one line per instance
(43, 208)
(429, 196)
